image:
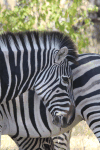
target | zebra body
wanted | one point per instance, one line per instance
(86, 91)
(39, 61)
(86, 79)
(27, 121)
(25, 116)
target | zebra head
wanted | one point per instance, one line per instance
(54, 85)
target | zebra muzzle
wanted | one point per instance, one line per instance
(64, 119)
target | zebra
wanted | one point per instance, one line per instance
(39, 61)
(24, 120)
(28, 122)
(35, 143)
(86, 92)
(86, 84)
(62, 141)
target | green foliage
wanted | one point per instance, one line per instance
(47, 15)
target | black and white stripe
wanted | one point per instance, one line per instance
(86, 82)
(86, 77)
(86, 90)
(35, 143)
(38, 61)
(27, 121)
(62, 141)
(26, 116)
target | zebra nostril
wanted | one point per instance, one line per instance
(55, 120)
(47, 146)
(64, 120)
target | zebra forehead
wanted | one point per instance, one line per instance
(44, 39)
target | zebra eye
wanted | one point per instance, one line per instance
(57, 91)
(65, 79)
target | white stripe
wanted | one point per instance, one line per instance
(88, 87)
(21, 49)
(11, 118)
(5, 121)
(86, 56)
(42, 49)
(14, 87)
(13, 47)
(60, 107)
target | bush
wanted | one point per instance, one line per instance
(48, 15)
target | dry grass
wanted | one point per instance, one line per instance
(7, 143)
(82, 139)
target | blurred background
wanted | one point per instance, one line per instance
(78, 18)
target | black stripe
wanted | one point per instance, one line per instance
(31, 110)
(85, 60)
(32, 140)
(97, 126)
(81, 98)
(17, 68)
(36, 141)
(25, 139)
(94, 121)
(25, 63)
(36, 35)
(4, 75)
(44, 115)
(26, 143)
(19, 139)
(12, 67)
(88, 106)
(15, 117)
(32, 55)
(96, 132)
(7, 103)
(91, 113)
(82, 80)
(4, 110)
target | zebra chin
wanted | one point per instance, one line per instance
(63, 120)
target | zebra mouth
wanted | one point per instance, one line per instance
(64, 120)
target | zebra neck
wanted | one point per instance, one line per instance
(21, 60)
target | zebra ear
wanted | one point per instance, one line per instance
(61, 55)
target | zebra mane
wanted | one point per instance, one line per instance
(49, 39)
